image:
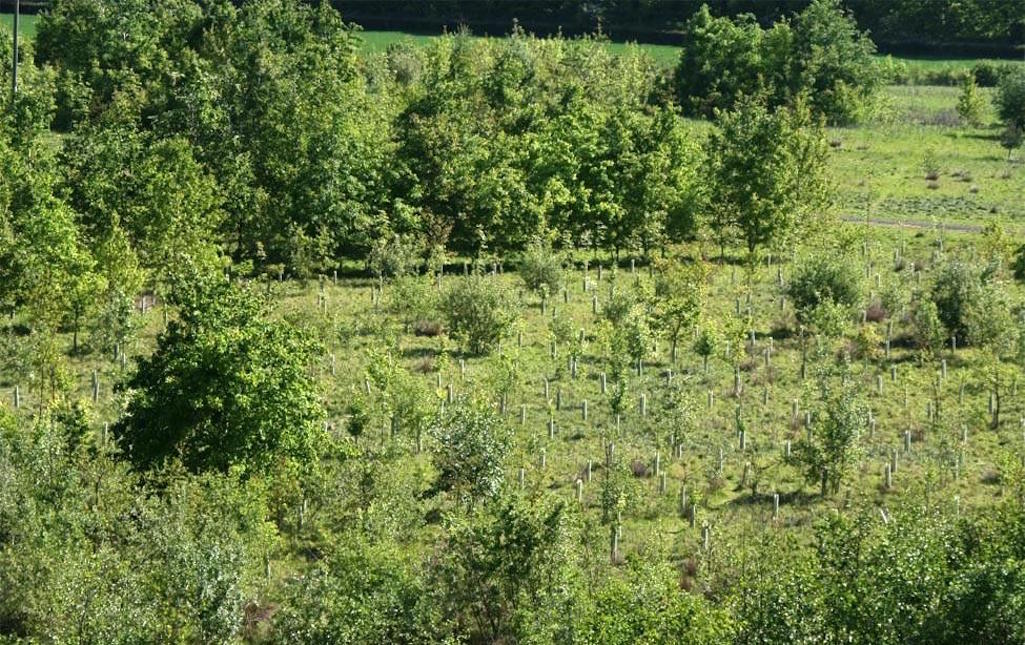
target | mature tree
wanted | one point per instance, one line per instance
(822, 55)
(226, 387)
(103, 48)
(33, 106)
(766, 172)
(720, 62)
(46, 271)
(834, 62)
(165, 202)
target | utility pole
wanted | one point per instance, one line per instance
(14, 58)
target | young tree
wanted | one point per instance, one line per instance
(970, 103)
(1011, 138)
(1010, 98)
(679, 297)
(766, 172)
(829, 450)
(472, 443)
(541, 269)
(227, 388)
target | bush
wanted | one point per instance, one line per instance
(970, 305)
(413, 300)
(471, 446)
(541, 269)
(823, 280)
(475, 309)
(1010, 97)
(360, 593)
(926, 326)
(395, 256)
(988, 73)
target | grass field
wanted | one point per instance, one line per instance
(667, 55)
(879, 168)
(28, 23)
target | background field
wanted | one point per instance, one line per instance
(668, 55)
(28, 23)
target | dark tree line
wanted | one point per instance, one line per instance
(932, 25)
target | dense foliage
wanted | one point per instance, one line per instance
(823, 56)
(226, 388)
(898, 23)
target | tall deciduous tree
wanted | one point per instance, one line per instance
(766, 172)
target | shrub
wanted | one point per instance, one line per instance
(413, 300)
(1018, 264)
(969, 304)
(475, 309)
(428, 328)
(988, 73)
(926, 325)
(395, 256)
(823, 280)
(359, 593)
(472, 443)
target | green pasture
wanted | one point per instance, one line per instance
(879, 169)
